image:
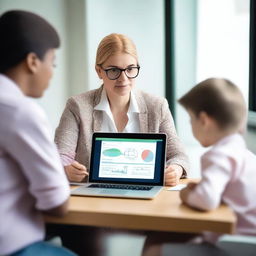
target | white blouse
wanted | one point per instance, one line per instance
(108, 124)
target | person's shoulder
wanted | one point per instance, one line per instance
(20, 106)
(250, 155)
(232, 148)
(85, 98)
(233, 141)
(20, 112)
(148, 98)
(87, 94)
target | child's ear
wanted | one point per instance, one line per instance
(204, 118)
(32, 62)
(99, 71)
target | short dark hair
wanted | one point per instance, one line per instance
(23, 32)
(219, 98)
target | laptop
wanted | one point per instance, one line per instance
(127, 165)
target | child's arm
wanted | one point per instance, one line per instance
(207, 194)
(185, 191)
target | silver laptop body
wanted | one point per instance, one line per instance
(127, 165)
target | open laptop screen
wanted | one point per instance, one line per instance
(130, 158)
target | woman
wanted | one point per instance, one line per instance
(115, 107)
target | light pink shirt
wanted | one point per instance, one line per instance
(229, 176)
(31, 173)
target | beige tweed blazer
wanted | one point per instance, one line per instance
(79, 120)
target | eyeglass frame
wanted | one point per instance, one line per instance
(121, 70)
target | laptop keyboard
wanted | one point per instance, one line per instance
(120, 186)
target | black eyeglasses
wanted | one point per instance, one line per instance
(114, 73)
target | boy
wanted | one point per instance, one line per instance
(32, 178)
(218, 113)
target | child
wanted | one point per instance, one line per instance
(218, 113)
(33, 181)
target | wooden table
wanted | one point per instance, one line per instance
(164, 213)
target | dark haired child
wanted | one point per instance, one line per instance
(33, 181)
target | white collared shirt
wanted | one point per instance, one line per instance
(108, 123)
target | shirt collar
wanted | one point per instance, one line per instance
(8, 85)
(133, 108)
(232, 138)
(104, 104)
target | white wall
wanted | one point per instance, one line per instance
(77, 55)
(223, 41)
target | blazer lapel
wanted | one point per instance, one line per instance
(143, 115)
(97, 120)
(97, 115)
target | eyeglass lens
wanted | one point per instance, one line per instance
(114, 73)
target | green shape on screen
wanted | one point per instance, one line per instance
(114, 152)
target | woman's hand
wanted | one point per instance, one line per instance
(172, 174)
(76, 172)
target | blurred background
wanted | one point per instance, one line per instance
(179, 42)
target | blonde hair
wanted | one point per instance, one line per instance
(219, 98)
(114, 44)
